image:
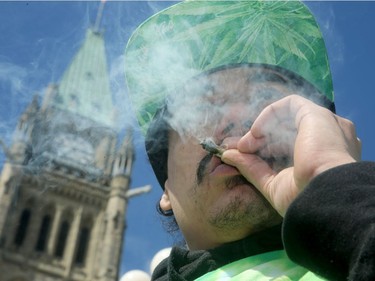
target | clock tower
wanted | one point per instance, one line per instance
(64, 185)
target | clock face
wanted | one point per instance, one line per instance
(74, 148)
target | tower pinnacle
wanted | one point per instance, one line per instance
(99, 16)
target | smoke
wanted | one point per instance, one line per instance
(13, 89)
(34, 54)
(124, 118)
(12, 76)
(236, 94)
(226, 102)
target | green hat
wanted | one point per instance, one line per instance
(192, 37)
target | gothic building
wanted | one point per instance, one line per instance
(64, 184)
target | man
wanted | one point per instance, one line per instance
(252, 77)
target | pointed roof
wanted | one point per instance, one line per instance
(84, 88)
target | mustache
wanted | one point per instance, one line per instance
(202, 167)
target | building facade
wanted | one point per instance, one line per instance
(64, 184)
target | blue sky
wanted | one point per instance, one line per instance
(38, 40)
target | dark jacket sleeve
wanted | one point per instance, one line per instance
(330, 227)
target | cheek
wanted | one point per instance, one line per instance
(181, 181)
(181, 175)
(182, 165)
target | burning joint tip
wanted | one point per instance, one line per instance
(209, 145)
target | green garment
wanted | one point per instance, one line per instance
(275, 266)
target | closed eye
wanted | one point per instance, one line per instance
(227, 129)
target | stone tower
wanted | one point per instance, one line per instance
(64, 185)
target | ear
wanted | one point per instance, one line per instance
(165, 203)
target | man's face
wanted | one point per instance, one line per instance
(212, 203)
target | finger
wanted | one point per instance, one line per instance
(249, 144)
(277, 137)
(276, 149)
(275, 114)
(290, 111)
(251, 166)
(349, 131)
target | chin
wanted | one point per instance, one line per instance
(240, 209)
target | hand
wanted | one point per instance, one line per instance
(317, 140)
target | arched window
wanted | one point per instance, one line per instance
(43, 233)
(61, 239)
(83, 243)
(22, 227)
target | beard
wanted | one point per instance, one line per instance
(244, 210)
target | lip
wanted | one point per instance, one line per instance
(221, 169)
(225, 170)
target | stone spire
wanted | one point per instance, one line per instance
(84, 88)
